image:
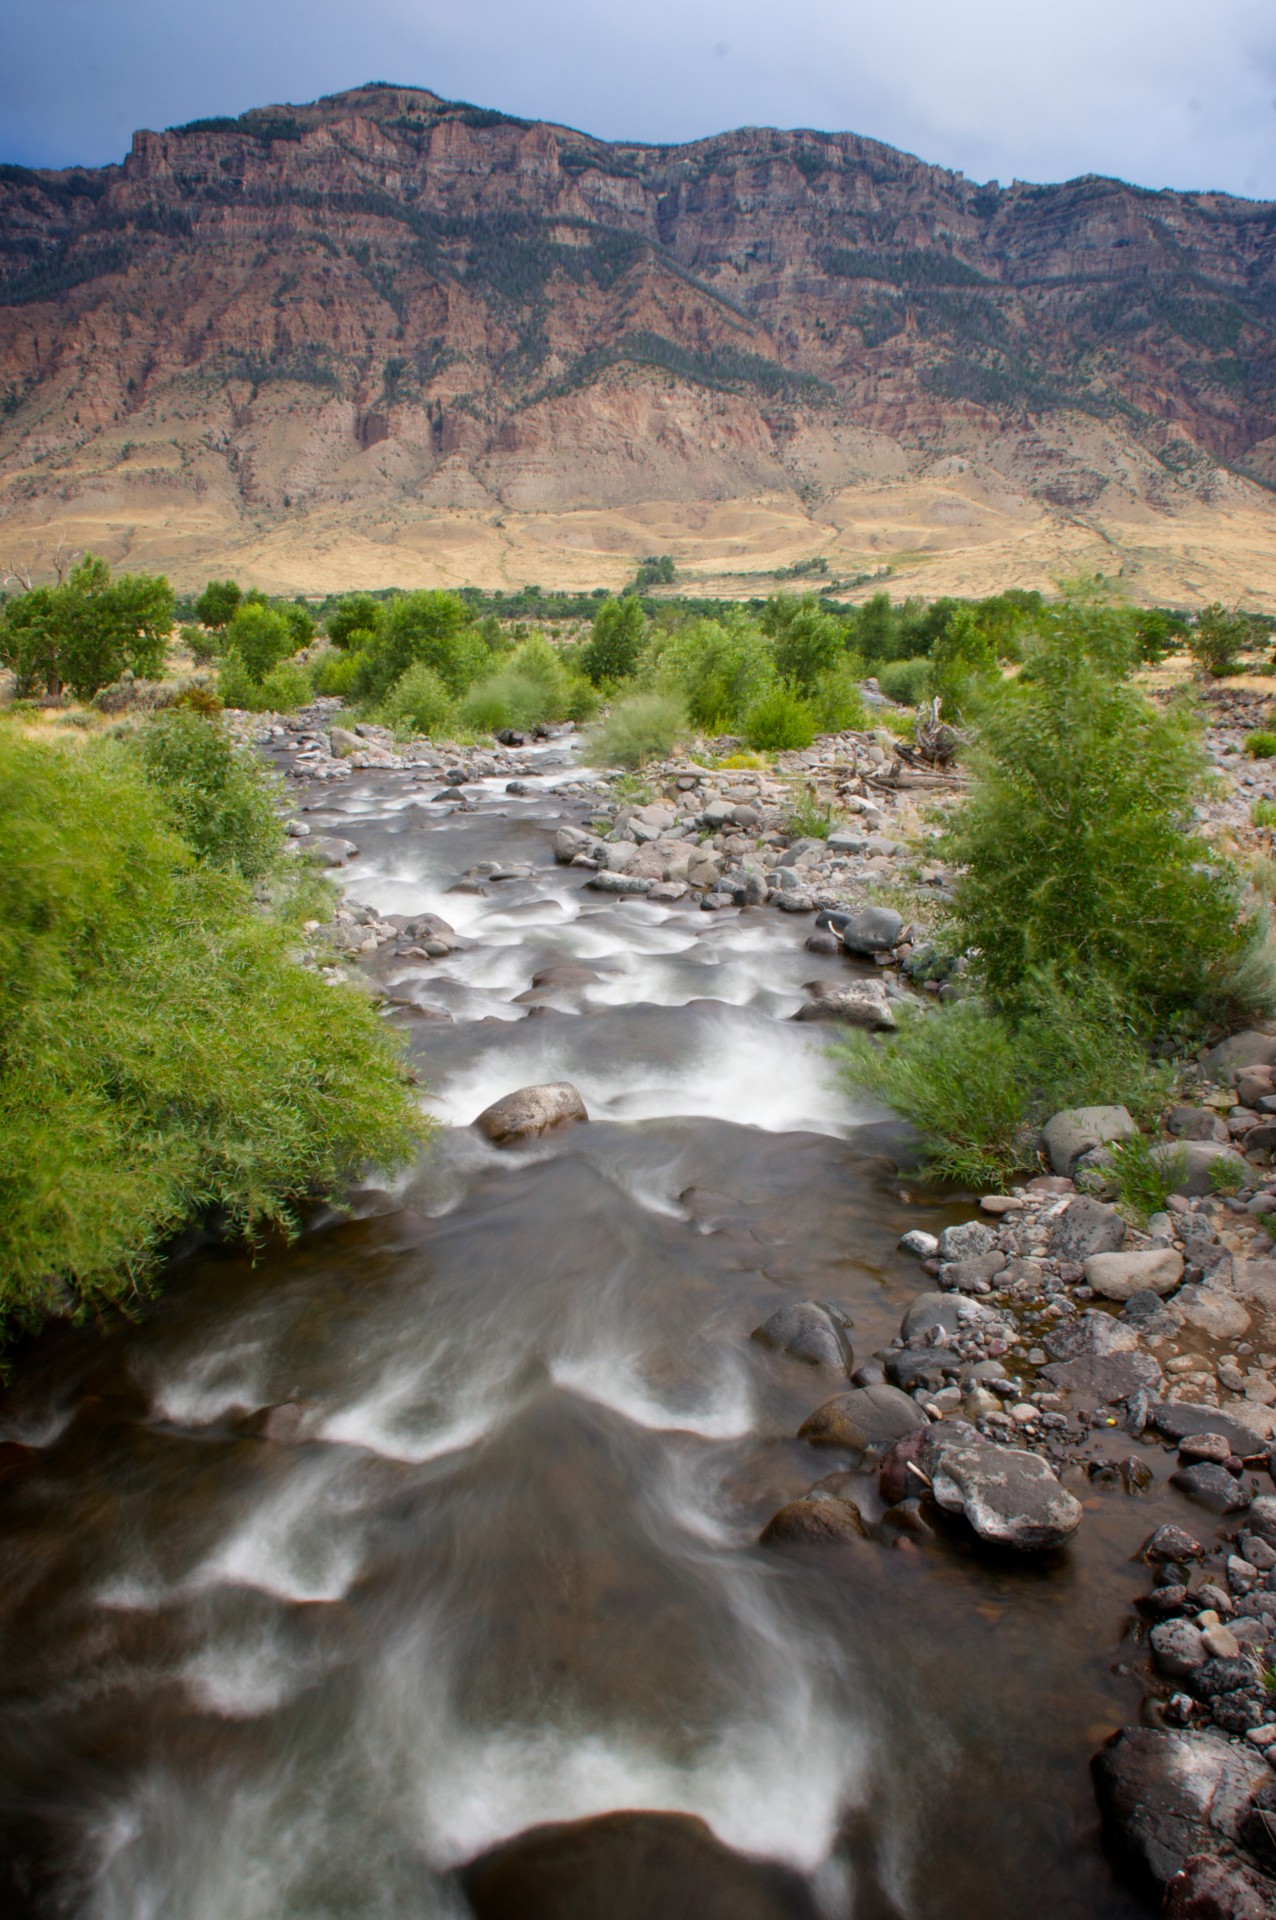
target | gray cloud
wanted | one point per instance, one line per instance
(1163, 92)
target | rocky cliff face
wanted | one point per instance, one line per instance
(389, 337)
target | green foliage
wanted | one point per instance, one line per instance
(978, 1084)
(962, 661)
(217, 603)
(780, 721)
(201, 644)
(807, 643)
(336, 673)
(420, 703)
(162, 1055)
(1262, 813)
(1076, 839)
(1217, 639)
(656, 570)
(260, 636)
(1144, 1183)
(612, 651)
(284, 689)
(906, 681)
(809, 817)
(1260, 745)
(353, 620)
(84, 633)
(426, 629)
(217, 797)
(718, 668)
(301, 624)
(639, 728)
(836, 699)
(1226, 1176)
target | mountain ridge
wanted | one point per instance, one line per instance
(384, 337)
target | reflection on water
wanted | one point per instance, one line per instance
(343, 1567)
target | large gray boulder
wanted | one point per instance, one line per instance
(1079, 1130)
(1191, 1164)
(949, 1311)
(806, 1331)
(863, 1420)
(1210, 1887)
(530, 1111)
(1167, 1796)
(1176, 1419)
(969, 1241)
(871, 930)
(857, 1003)
(1212, 1312)
(1010, 1496)
(1091, 1334)
(1119, 1275)
(1249, 1049)
(1084, 1227)
(1105, 1379)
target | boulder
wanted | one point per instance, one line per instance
(870, 930)
(857, 1003)
(1078, 1130)
(1116, 1276)
(1010, 1497)
(1178, 1647)
(1211, 1887)
(1105, 1379)
(1196, 1123)
(1220, 1315)
(1093, 1333)
(947, 1310)
(624, 884)
(1084, 1227)
(630, 1866)
(1175, 1419)
(966, 1242)
(1213, 1486)
(569, 841)
(863, 1420)
(1248, 1049)
(806, 1331)
(972, 1276)
(816, 1516)
(329, 851)
(1167, 1796)
(341, 742)
(919, 1242)
(531, 1111)
(1253, 1084)
(1190, 1163)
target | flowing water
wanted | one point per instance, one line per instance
(495, 1562)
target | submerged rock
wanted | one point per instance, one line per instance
(806, 1331)
(863, 1419)
(530, 1111)
(816, 1516)
(1010, 1497)
(1167, 1796)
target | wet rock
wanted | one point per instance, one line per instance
(625, 884)
(569, 841)
(1079, 1130)
(1118, 1275)
(1167, 1796)
(1214, 1487)
(923, 1367)
(330, 852)
(341, 742)
(1191, 1165)
(816, 1516)
(871, 930)
(1105, 1379)
(1010, 1497)
(901, 1475)
(1091, 1334)
(1146, 1314)
(924, 1245)
(862, 1420)
(565, 973)
(1178, 1647)
(1177, 1418)
(947, 1311)
(1215, 1447)
(630, 1866)
(531, 1111)
(1086, 1227)
(1261, 1518)
(971, 1276)
(1210, 1887)
(966, 1242)
(858, 1003)
(1169, 1544)
(806, 1331)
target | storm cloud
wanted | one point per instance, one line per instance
(1177, 93)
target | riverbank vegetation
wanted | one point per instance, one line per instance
(163, 1056)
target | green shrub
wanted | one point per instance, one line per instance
(201, 644)
(86, 632)
(335, 673)
(284, 689)
(1144, 1183)
(1260, 745)
(217, 603)
(1226, 1176)
(163, 1057)
(428, 629)
(301, 624)
(905, 681)
(639, 728)
(354, 621)
(1217, 639)
(419, 703)
(1077, 845)
(235, 685)
(836, 700)
(217, 797)
(1262, 813)
(780, 721)
(612, 650)
(963, 662)
(716, 668)
(807, 643)
(261, 636)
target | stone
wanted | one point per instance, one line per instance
(806, 1331)
(1146, 1314)
(944, 1310)
(1253, 1084)
(569, 841)
(816, 1516)
(1214, 1487)
(966, 1242)
(1249, 1049)
(924, 1245)
(1220, 1643)
(1210, 1887)
(1220, 1315)
(1168, 1795)
(871, 930)
(857, 1003)
(863, 1420)
(1010, 1497)
(1092, 1333)
(1105, 1379)
(531, 1110)
(1177, 1418)
(329, 851)
(1189, 1164)
(1086, 1227)
(1170, 1543)
(1178, 1647)
(630, 1866)
(972, 1276)
(1261, 1518)
(1195, 1123)
(620, 883)
(900, 1475)
(341, 742)
(1078, 1130)
(1215, 1447)
(1118, 1275)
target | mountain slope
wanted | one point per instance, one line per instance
(388, 338)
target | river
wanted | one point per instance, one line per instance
(494, 1563)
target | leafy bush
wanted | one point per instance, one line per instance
(639, 728)
(428, 629)
(807, 643)
(354, 621)
(905, 681)
(1260, 745)
(220, 800)
(235, 685)
(1144, 1183)
(217, 603)
(1262, 813)
(260, 636)
(419, 702)
(1076, 840)
(717, 668)
(962, 662)
(612, 650)
(1217, 640)
(285, 688)
(780, 721)
(86, 632)
(163, 1057)
(301, 624)
(334, 673)
(201, 644)
(836, 700)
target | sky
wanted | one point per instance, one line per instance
(1177, 93)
